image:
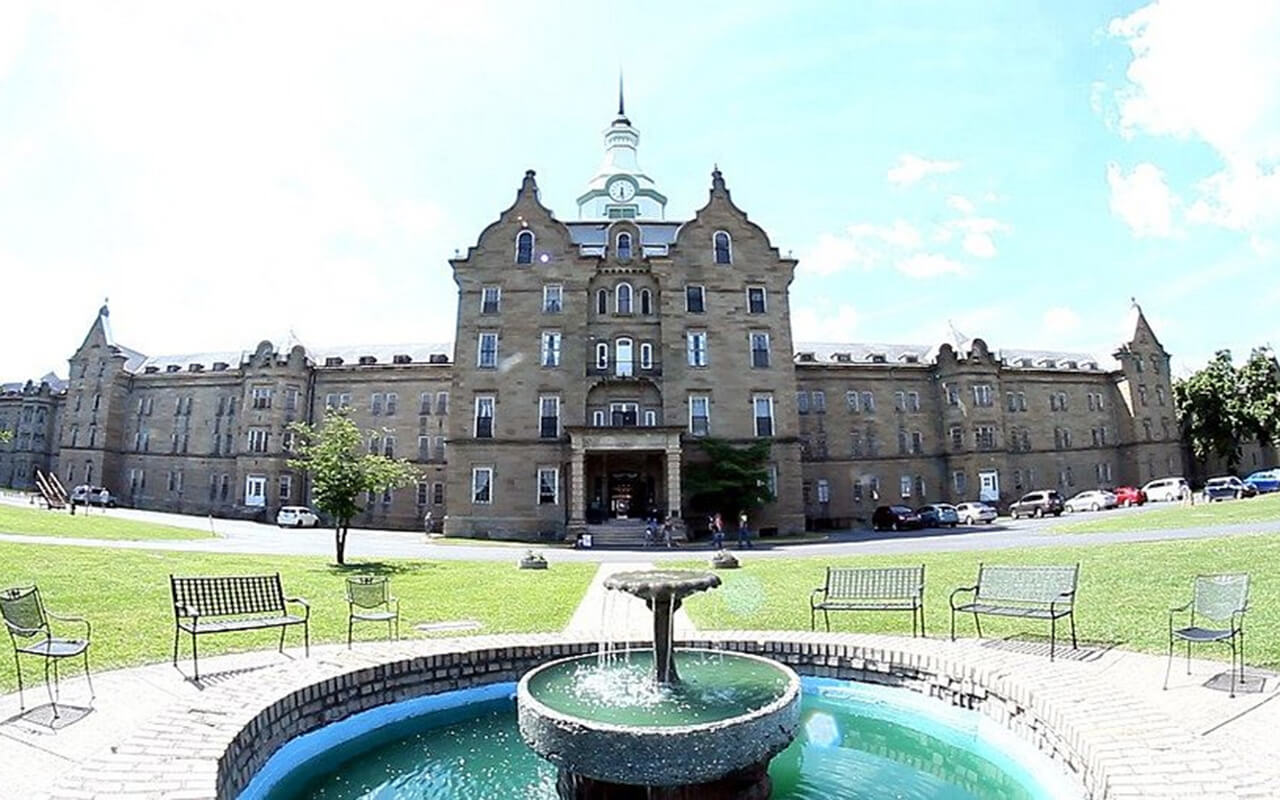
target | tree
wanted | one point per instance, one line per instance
(1259, 389)
(5, 436)
(1210, 410)
(735, 478)
(331, 453)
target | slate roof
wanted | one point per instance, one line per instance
(651, 233)
(56, 384)
(418, 352)
(861, 353)
(1049, 359)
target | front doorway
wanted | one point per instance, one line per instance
(623, 485)
(630, 494)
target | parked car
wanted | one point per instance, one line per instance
(297, 517)
(975, 513)
(1227, 487)
(894, 518)
(1130, 496)
(1264, 481)
(1037, 504)
(936, 515)
(1167, 489)
(1091, 500)
(93, 496)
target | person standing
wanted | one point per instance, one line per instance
(717, 531)
(744, 533)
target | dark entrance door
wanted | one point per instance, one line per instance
(629, 494)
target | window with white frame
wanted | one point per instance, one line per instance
(650, 418)
(285, 488)
(851, 400)
(482, 485)
(487, 353)
(959, 483)
(695, 299)
(597, 418)
(602, 355)
(622, 298)
(623, 357)
(389, 446)
(423, 493)
(900, 401)
(982, 394)
(258, 438)
(771, 481)
(484, 416)
(442, 403)
(868, 403)
(549, 417)
(824, 491)
(437, 493)
(524, 247)
(262, 397)
(699, 414)
(917, 442)
(375, 404)
(624, 413)
(393, 402)
(904, 486)
(552, 298)
(424, 448)
(624, 246)
(920, 487)
(802, 402)
(548, 486)
(490, 299)
(984, 437)
(759, 349)
(723, 248)
(913, 401)
(646, 355)
(756, 300)
(551, 348)
(440, 442)
(374, 442)
(819, 402)
(696, 345)
(424, 403)
(763, 406)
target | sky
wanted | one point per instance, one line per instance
(1016, 169)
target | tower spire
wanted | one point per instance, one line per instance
(622, 107)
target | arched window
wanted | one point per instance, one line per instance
(602, 301)
(524, 247)
(623, 364)
(602, 355)
(622, 299)
(624, 245)
(646, 355)
(724, 250)
(646, 302)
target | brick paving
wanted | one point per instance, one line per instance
(1100, 712)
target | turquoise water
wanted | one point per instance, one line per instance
(713, 686)
(856, 742)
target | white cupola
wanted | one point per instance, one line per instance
(620, 189)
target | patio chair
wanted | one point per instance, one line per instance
(28, 623)
(369, 600)
(1221, 599)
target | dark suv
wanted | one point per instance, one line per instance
(1037, 504)
(894, 518)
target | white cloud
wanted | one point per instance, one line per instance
(1060, 321)
(1142, 199)
(980, 245)
(1211, 72)
(959, 202)
(15, 16)
(912, 169)
(929, 265)
(824, 325)
(862, 246)
(978, 239)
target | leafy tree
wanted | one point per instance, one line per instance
(1259, 390)
(735, 477)
(1210, 410)
(331, 453)
(5, 436)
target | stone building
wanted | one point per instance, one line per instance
(590, 356)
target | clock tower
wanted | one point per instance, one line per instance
(620, 189)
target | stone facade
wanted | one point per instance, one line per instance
(589, 358)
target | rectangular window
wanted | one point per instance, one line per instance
(913, 401)
(258, 440)
(549, 417)
(484, 417)
(699, 415)
(262, 397)
(697, 348)
(953, 395)
(487, 355)
(917, 442)
(424, 403)
(624, 414)
(374, 442)
(440, 448)
(760, 349)
(1012, 400)
(442, 403)
(423, 493)
(868, 402)
(224, 487)
(375, 404)
(982, 394)
(763, 404)
(819, 402)
(959, 483)
(646, 355)
(490, 298)
(482, 485)
(552, 299)
(802, 402)
(548, 486)
(393, 402)
(424, 448)
(551, 348)
(695, 299)
(437, 493)
(330, 401)
(904, 486)
(824, 491)
(851, 401)
(286, 487)
(597, 418)
(984, 437)
(755, 300)
(855, 443)
(290, 400)
(771, 481)
(857, 490)
(344, 400)
(389, 446)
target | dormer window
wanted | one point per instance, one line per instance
(723, 248)
(624, 246)
(151, 370)
(843, 358)
(367, 360)
(909, 358)
(807, 357)
(401, 359)
(172, 368)
(219, 366)
(879, 358)
(333, 361)
(195, 367)
(438, 358)
(524, 247)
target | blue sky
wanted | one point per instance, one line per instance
(232, 172)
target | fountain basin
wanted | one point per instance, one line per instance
(731, 712)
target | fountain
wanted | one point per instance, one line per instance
(660, 724)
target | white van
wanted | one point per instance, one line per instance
(1167, 489)
(297, 517)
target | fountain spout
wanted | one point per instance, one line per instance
(663, 591)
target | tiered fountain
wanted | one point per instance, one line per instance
(660, 724)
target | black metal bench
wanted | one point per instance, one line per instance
(1032, 592)
(870, 589)
(233, 603)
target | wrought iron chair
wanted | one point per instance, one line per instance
(365, 596)
(28, 623)
(1216, 599)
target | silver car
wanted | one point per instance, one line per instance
(1092, 500)
(975, 513)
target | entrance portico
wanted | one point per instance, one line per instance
(622, 472)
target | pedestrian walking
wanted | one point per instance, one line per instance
(668, 532)
(717, 531)
(744, 533)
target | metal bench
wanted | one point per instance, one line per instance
(1035, 592)
(870, 589)
(233, 603)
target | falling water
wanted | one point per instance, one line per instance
(671, 625)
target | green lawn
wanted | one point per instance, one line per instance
(1124, 596)
(125, 594)
(1264, 508)
(87, 525)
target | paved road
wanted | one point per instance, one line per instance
(238, 536)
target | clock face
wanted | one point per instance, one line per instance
(622, 189)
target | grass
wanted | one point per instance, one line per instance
(125, 594)
(87, 525)
(1125, 592)
(1265, 508)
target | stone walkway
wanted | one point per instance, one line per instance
(605, 615)
(1117, 691)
